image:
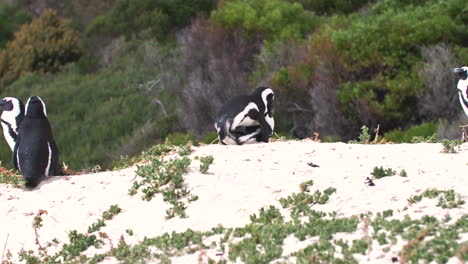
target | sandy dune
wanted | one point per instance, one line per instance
(241, 180)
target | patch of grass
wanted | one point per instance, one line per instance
(205, 163)
(428, 139)
(301, 203)
(450, 145)
(106, 215)
(165, 177)
(10, 177)
(380, 172)
(447, 199)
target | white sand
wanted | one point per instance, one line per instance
(241, 180)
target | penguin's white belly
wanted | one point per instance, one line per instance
(247, 121)
(8, 137)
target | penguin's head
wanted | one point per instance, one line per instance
(461, 72)
(11, 104)
(35, 107)
(266, 94)
(12, 109)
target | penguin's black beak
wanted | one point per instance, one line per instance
(457, 70)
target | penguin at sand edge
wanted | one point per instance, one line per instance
(35, 154)
(247, 118)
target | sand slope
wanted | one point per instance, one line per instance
(241, 180)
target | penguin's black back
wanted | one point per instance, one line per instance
(34, 144)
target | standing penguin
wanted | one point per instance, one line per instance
(462, 87)
(247, 118)
(12, 115)
(35, 154)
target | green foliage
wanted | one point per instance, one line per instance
(44, 45)
(10, 177)
(106, 215)
(328, 7)
(210, 137)
(380, 172)
(446, 198)
(11, 18)
(301, 203)
(181, 139)
(157, 18)
(165, 177)
(205, 163)
(274, 19)
(425, 132)
(450, 145)
(364, 137)
(386, 63)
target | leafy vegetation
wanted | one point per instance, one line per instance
(44, 45)
(275, 19)
(10, 177)
(446, 198)
(205, 162)
(423, 133)
(11, 19)
(154, 18)
(450, 145)
(165, 177)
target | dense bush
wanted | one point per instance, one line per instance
(11, 18)
(424, 130)
(373, 69)
(130, 17)
(274, 19)
(44, 45)
(328, 7)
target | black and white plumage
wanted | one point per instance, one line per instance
(247, 118)
(462, 86)
(35, 154)
(12, 115)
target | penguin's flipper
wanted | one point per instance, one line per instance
(15, 154)
(55, 169)
(266, 130)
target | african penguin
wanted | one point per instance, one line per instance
(462, 87)
(12, 115)
(35, 154)
(246, 118)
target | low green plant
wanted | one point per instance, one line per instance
(380, 172)
(364, 137)
(205, 163)
(165, 177)
(106, 215)
(301, 203)
(447, 199)
(450, 145)
(424, 133)
(10, 177)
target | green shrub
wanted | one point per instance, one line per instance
(44, 45)
(425, 131)
(181, 139)
(11, 18)
(132, 17)
(328, 7)
(275, 19)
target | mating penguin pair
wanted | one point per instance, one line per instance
(29, 135)
(462, 86)
(247, 118)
